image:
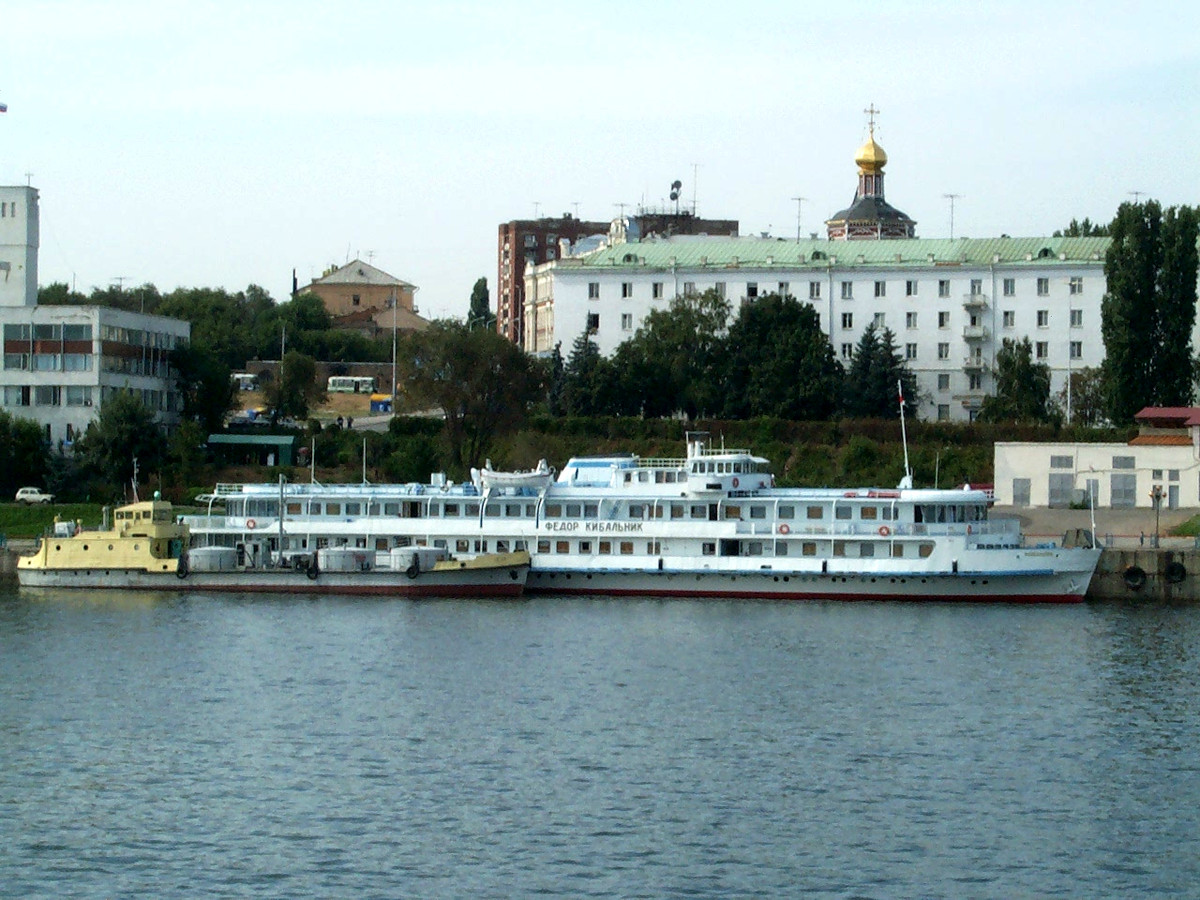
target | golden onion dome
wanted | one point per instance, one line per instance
(870, 156)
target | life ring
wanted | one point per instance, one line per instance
(1135, 578)
(1175, 572)
(784, 529)
(181, 569)
(251, 524)
(414, 569)
(313, 569)
(735, 481)
(884, 531)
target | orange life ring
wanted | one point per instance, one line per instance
(783, 529)
(250, 523)
(735, 481)
(884, 530)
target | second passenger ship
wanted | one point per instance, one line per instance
(710, 524)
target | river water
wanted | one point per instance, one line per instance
(198, 746)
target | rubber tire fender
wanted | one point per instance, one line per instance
(1175, 572)
(1134, 578)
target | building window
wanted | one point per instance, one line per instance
(656, 290)
(847, 351)
(910, 288)
(593, 323)
(785, 289)
(626, 321)
(943, 351)
(879, 320)
(943, 319)
(1041, 349)
(1060, 462)
(976, 287)
(814, 290)
(1076, 349)
(689, 289)
(626, 290)
(1010, 287)
(910, 320)
(944, 288)
(16, 395)
(1075, 285)
(943, 381)
(1043, 287)
(79, 395)
(355, 299)
(881, 289)
(847, 320)
(593, 290)
(47, 395)
(974, 382)
(847, 290)
(943, 412)
(1124, 462)
(1043, 318)
(1077, 318)
(1010, 318)
(910, 351)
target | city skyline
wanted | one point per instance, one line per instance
(228, 145)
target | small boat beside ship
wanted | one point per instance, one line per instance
(148, 547)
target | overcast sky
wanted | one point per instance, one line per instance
(224, 144)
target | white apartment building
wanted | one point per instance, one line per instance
(61, 363)
(949, 302)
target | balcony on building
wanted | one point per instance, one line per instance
(975, 302)
(975, 333)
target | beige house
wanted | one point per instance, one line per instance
(1163, 458)
(360, 297)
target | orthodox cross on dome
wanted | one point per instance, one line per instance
(871, 112)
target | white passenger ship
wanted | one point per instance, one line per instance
(709, 525)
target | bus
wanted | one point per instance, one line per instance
(350, 384)
(245, 381)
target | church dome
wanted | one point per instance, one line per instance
(870, 156)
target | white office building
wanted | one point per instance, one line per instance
(61, 363)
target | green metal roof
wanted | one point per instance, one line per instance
(262, 440)
(759, 252)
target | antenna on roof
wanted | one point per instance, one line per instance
(695, 167)
(952, 198)
(799, 206)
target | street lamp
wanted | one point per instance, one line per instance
(1156, 495)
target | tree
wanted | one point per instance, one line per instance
(480, 313)
(124, 431)
(296, 389)
(205, 383)
(674, 363)
(482, 383)
(1086, 228)
(876, 372)
(780, 362)
(586, 380)
(1086, 401)
(1022, 387)
(1148, 309)
(24, 457)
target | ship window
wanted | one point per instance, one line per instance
(573, 510)
(590, 510)
(501, 546)
(839, 548)
(787, 511)
(699, 512)
(754, 548)
(543, 546)
(472, 509)
(353, 509)
(677, 510)
(553, 510)
(626, 548)
(816, 512)
(518, 545)
(562, 546)
(733, 512)
(585, 546)
(781, 548)
(925, 550)
(887, 513)
(866, 549)
(870, 513)
(393, 509)
(492, 511)
(758, 512)
(293, 509)
(898, 550)
(657, 512)
(843, 512)
(481, 546)
(653, 548)
(333, 509)
(636, 511)
(531, 509)
(709, 548)
(808, 548)
(512, 510)
(605, 547)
